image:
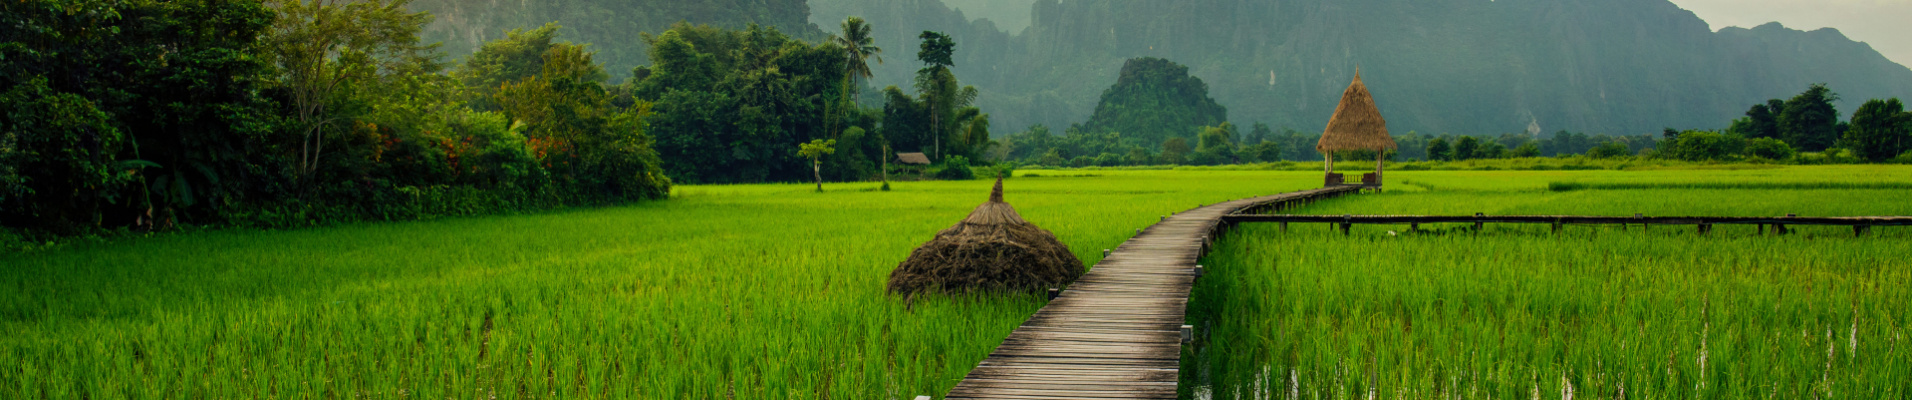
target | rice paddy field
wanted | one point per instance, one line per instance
(775, 291)
(1514, 311)
(754, 291)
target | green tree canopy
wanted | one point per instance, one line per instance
(323, 47)
(937, 50)
(815, 150)
(1810, 122)
(1467, 148)
(1437, 150)
(1878, 130)
(729, 104)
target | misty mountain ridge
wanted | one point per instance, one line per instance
(1434, 66)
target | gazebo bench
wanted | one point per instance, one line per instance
(1367, 179)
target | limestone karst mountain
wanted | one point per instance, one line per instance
(1459, 66)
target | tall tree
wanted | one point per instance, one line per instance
(858, 48)
(936, 83)
(1809, 121)
(325, 46)
(1878, 130)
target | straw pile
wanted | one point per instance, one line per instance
(1357, 124)
(993, 249)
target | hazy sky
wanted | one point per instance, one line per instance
(1885, 24)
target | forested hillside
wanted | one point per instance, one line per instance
(1154, 100)
(613, 27)
(1459, 66)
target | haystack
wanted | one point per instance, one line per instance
(992, 249)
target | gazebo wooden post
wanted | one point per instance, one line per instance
(1379, 156)
(1328, 156)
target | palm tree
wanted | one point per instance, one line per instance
(858, 47)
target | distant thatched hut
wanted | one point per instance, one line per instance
(914, 162)
(912, 159)
(1356, 125)
(992, 249)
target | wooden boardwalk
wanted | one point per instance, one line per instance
(1115, 333)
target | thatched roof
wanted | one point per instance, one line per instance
(912, 158)
(1357, 124)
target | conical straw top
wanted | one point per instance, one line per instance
(995, 196)
(995, 211)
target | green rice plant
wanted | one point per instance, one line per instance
(1572, 186)
(741, 291)
(774, 291)
(1514, 311)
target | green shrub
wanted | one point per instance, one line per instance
(1609, 149)
(1769, 148)
(1705, 146)
(1053, 158)
(1262, 152)
(1005, 169)
(956, 168)
(1829, 157)
(1902, 158)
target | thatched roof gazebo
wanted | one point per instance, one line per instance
(992, 249)
(1357, 125)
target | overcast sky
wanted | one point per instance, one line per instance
(1885, 24)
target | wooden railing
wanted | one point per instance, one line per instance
(1860, 225)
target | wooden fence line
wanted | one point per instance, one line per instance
(1860, 225)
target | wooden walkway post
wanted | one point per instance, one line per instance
(1117, 333)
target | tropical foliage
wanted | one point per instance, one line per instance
(149, 115)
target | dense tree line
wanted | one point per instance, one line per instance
(1806, 124)
(733, 105)
(1157, 99)
(147, 115)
